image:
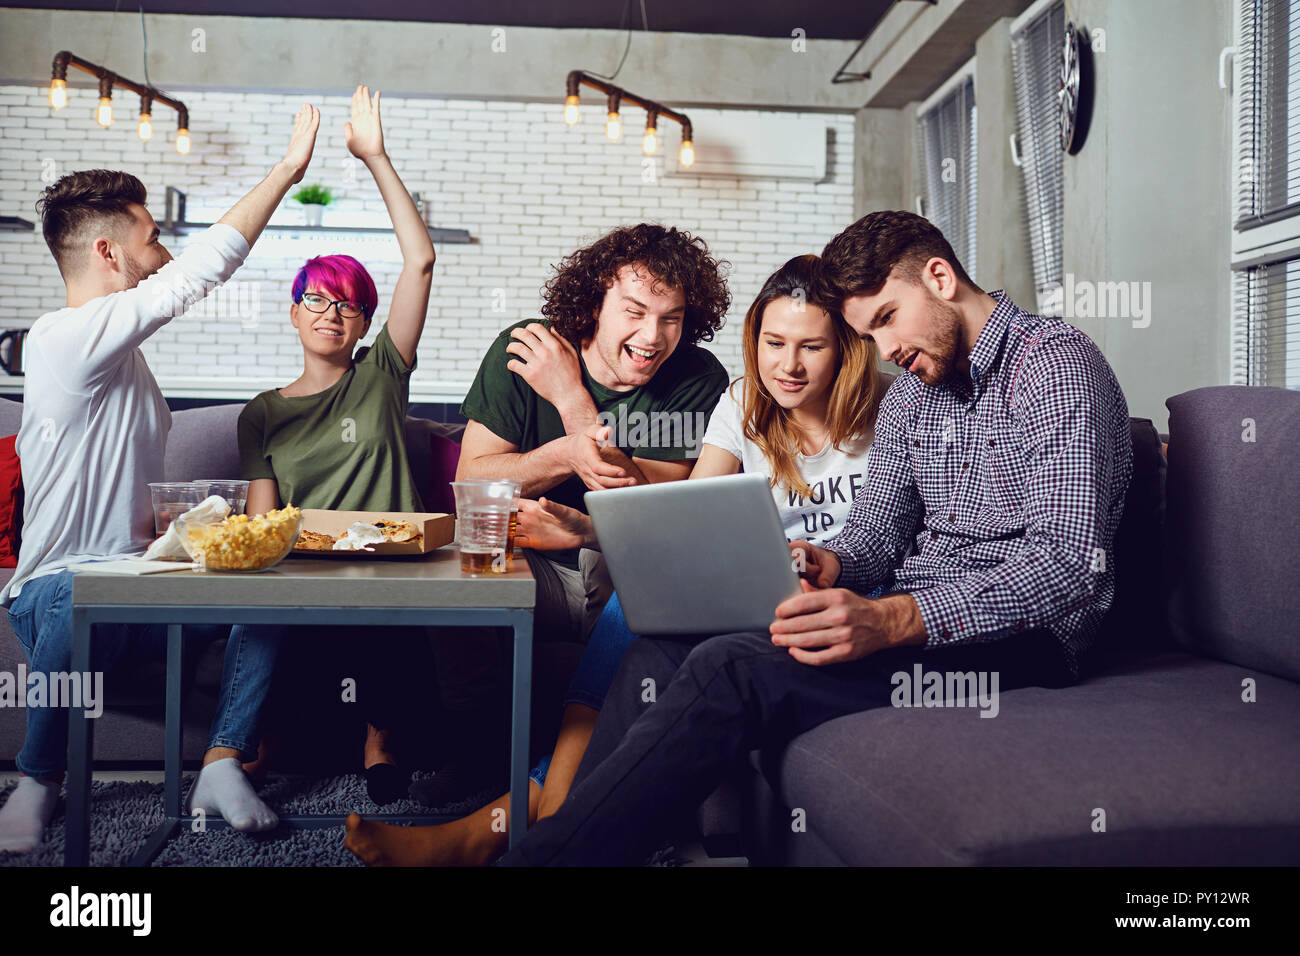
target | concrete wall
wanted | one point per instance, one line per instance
(1147, 197)
(433, 59)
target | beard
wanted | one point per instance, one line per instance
(132, 272)
(945, 324)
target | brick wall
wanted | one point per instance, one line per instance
(528, 188)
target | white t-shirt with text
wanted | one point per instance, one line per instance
(834, 475)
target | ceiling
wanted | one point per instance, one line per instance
(827, 19)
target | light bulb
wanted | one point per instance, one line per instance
(145, 127)
(182, 141)
(649, 142)
(104, 115)
(687, 156)
(570, 110)
(614, 127)
(58, 94)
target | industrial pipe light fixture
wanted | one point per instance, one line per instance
(615, 96)
(104, 112)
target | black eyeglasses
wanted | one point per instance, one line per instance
(318, 303)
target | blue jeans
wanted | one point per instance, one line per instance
(609, 640)
(41, 617)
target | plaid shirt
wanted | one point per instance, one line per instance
(995, 503)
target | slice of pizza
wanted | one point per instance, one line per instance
(313, 541)
(398, 531)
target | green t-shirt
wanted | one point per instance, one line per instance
(342, 449)
(663, 420)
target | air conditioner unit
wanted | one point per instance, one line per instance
(750, 145)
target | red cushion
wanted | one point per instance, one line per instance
(446, 456)
(11, 502)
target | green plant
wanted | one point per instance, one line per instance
(314, 195)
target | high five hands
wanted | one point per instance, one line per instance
(364, 133)
(302, 141)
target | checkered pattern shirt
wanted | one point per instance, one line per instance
(995, 502)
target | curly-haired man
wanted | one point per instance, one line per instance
(571, 403)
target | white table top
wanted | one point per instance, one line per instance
(432, 581)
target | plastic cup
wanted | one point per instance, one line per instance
(235, 492)
(513, 530)
(483, 524)
(172, 499)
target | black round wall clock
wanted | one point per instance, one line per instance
(1074, 88)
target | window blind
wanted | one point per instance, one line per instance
(1268, 130)
(946, 151)
(1035, 64)
(1266, 297)
(1266, 346)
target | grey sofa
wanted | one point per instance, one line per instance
(1183, 737)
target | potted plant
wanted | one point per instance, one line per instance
(314, 199)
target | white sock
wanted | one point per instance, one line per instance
(26, 813)
(223, 789)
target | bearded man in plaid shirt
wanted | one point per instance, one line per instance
(994, 489)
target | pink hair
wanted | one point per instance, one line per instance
(341, 276)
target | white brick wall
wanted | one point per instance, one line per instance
(528, 188)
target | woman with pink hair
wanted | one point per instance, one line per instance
(334, 438)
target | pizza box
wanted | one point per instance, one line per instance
(437, 529)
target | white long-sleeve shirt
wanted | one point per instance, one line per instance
(95, 424)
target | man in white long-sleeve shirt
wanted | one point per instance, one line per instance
(93, 434)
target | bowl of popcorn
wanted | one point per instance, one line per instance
(240, 542)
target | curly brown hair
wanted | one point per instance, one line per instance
(676, 259)
(80, 199)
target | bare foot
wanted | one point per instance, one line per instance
(475, 840)
(383, 844)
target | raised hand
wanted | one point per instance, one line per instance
(302, 142)
(364, 132)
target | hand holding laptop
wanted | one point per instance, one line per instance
(818, 566)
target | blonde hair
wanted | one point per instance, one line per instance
(854, 395)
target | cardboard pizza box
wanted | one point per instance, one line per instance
(436, 529)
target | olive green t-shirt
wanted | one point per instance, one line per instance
(343, 449)
(663, 420)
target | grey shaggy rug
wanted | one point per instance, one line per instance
(123, 814)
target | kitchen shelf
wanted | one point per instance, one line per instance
(15, 224)
(435, 233)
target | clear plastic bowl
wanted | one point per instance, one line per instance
(238, 546)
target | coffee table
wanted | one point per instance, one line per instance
(430, 590)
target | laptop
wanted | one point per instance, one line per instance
(702, 557)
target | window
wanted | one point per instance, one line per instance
(1266, 235)
(945, 150)
(1036, 40)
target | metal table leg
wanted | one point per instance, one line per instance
(520, 720)
(81, 742)
(174, 726)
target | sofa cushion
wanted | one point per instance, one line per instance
(1186, 772)
(11, 502)
(11, 416)
(1232, 523)
(433, 453)
(1136, 619)
(202, 444)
